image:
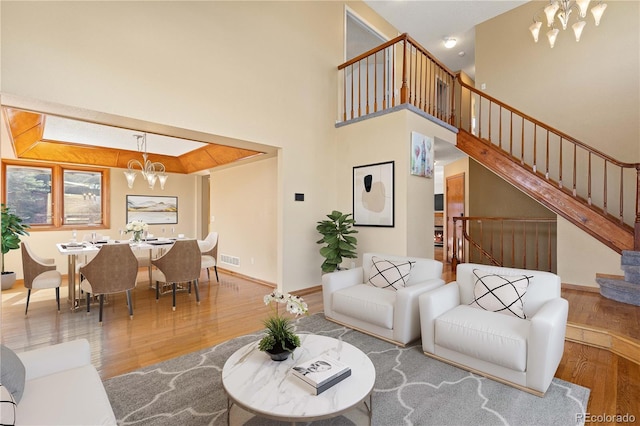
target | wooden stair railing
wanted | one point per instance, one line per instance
(587, 187)
(569, 177)
(515, 242)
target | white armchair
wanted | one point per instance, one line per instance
(389, 313)
(490, 337)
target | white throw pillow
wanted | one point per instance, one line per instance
(389, 274)
(500, 293)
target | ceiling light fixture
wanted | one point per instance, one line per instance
(562, 10)
(152, 172)
(449, 42)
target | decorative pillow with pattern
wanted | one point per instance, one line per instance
(7, 407)
(389, 274)
(500, 293)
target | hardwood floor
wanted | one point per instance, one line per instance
(234, 307)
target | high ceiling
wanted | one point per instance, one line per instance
(429, 21)
(39, 136)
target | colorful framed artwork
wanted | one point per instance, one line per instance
(373, 194)
(152, 209)
(421, 155)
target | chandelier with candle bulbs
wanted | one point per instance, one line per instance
(151, 171)
(561, 11)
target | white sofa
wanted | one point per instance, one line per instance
(62, 387)
(390, 314)
(524, 353)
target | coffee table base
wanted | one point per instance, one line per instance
(358, 415)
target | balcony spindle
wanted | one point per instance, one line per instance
(535, 148)
(575, 167)
(589, 180)
(367, 86)
(546, 174)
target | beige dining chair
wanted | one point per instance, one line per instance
(209, 249)
(180, 264)
(113, 270)
(39, 273)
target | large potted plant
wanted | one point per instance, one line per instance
(12, 229)
(336, 234)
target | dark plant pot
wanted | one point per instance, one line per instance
(8, 279)
(279, 354)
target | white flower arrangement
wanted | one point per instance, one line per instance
(295, 304)
(136, 226)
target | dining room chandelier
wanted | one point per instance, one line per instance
(561, 11)
(151, 171)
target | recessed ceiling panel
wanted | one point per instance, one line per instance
(84, 133)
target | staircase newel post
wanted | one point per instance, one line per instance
(404, 89)
(454, 248)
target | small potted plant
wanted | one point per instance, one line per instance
(339, 243)
(12, 229)
(280, 340)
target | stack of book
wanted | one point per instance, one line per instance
(321, 372)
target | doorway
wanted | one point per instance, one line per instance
(454, 207)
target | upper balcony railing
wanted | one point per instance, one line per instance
(398, 72)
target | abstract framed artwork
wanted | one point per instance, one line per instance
(421, 155)
(373, 194)
(152, 209)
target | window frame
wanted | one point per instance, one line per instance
(57, 194)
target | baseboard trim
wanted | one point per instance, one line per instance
(248, 278)
(601, 338)
(581, 288)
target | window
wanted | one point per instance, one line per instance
(50, 196)
(82, 197)
(28, 193)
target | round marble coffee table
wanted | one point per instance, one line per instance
(267, 388)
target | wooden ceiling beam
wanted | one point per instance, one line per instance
(212, 155)
(27, 129)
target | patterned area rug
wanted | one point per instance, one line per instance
(410, 389)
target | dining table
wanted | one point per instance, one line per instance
(73, 250)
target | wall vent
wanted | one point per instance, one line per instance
(229, 260)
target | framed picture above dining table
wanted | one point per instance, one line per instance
(152, 209)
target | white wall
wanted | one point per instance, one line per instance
(388, 138)
(263, 72)
(244, 208)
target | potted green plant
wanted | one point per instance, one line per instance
(339, 243)
(280, 340)
(12, 229)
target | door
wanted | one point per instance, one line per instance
(454, 206)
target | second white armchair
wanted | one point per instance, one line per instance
(504, 323)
